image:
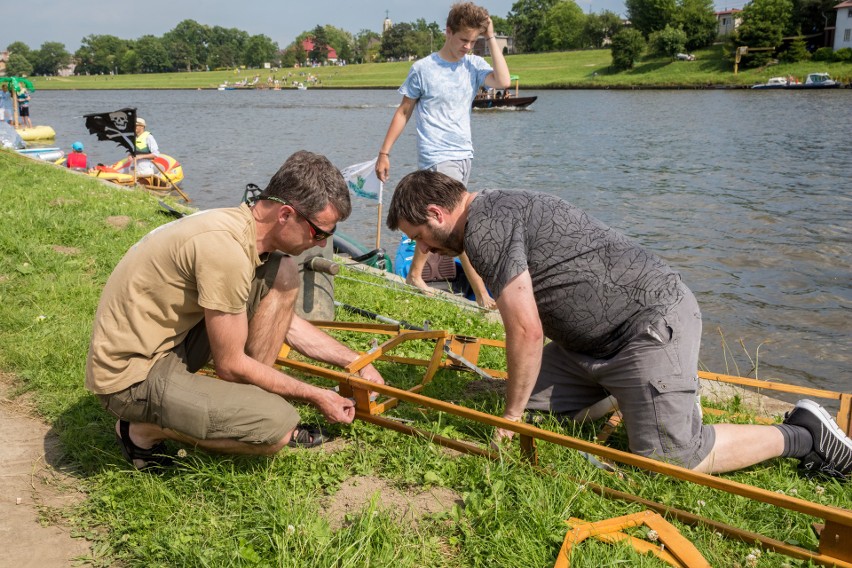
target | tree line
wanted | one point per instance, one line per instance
(659, 26)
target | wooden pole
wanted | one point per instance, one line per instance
(379, 227)
(168, 179)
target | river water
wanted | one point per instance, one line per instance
(745, 192)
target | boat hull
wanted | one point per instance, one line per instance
(511, 102)
(798, 87)
(44, 154)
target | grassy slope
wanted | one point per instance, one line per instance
(58, 244)
(573, 69)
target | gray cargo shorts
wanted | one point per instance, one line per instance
(456, 169)
(654, 378)
(204, 407)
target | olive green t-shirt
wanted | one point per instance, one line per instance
(160, 289)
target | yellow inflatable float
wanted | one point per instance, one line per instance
(36, 133)
(167, 178)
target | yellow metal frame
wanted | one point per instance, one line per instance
(676, 551)
(836, 537)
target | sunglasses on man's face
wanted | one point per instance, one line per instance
(317, 234)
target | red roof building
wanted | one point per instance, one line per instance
(308, 46)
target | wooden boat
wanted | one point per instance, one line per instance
(168, 177)
(506, 101)
(812, 81)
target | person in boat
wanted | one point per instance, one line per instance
(146, 150)
(77, 159)
(220, 285)
(439, 90)
(621, 323)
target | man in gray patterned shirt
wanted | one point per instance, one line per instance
(620, 320)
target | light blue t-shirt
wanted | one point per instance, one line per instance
(444, 93)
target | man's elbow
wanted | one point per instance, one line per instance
(228, 372)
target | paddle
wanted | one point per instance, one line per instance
(168, 179)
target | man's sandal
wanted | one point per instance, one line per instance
(141, 458)
(305, 436)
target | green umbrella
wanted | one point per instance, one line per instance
(16, 82)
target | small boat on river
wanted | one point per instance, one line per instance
(812, 81)
(165, 180)
(506, 100)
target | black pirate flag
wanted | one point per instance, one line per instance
(118, 126)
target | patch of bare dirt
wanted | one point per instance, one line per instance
(356, 493)
(484, 387)
(65, 250)
(30, 490)
(118, 221)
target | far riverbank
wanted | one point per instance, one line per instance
(587, 69)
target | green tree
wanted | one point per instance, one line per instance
(797, 51)
(130, 62)
(20, 48)
(398, 42)
(527, 18)
(367, 44)
(152, 54)
(501, 25)
(100, 54)
(813, 16)
(764, 24)
(649, 16)
(260, 49)
(226, 47)
(599, 27)
(187, 44)
(698, 19)
(627, 47)
(341, 41)
(562, 28)
(18, 65)
(669, 41)
(50, 58)
(319, 53)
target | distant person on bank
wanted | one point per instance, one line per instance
(621, 322)
(220, 285)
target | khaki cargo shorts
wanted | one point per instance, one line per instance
(203, 407)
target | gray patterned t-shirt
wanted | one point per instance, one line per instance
(595, 288)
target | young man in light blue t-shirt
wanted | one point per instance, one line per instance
(439, 91)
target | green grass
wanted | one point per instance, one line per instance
(569, 69)
(58, 244)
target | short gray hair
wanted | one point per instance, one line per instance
(310, 181)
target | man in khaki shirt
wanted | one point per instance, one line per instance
(216, 285)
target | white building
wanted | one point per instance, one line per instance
(843, 27)
(727, 21)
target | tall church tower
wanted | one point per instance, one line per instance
(387, 24)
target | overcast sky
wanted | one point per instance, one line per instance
(37, 21)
